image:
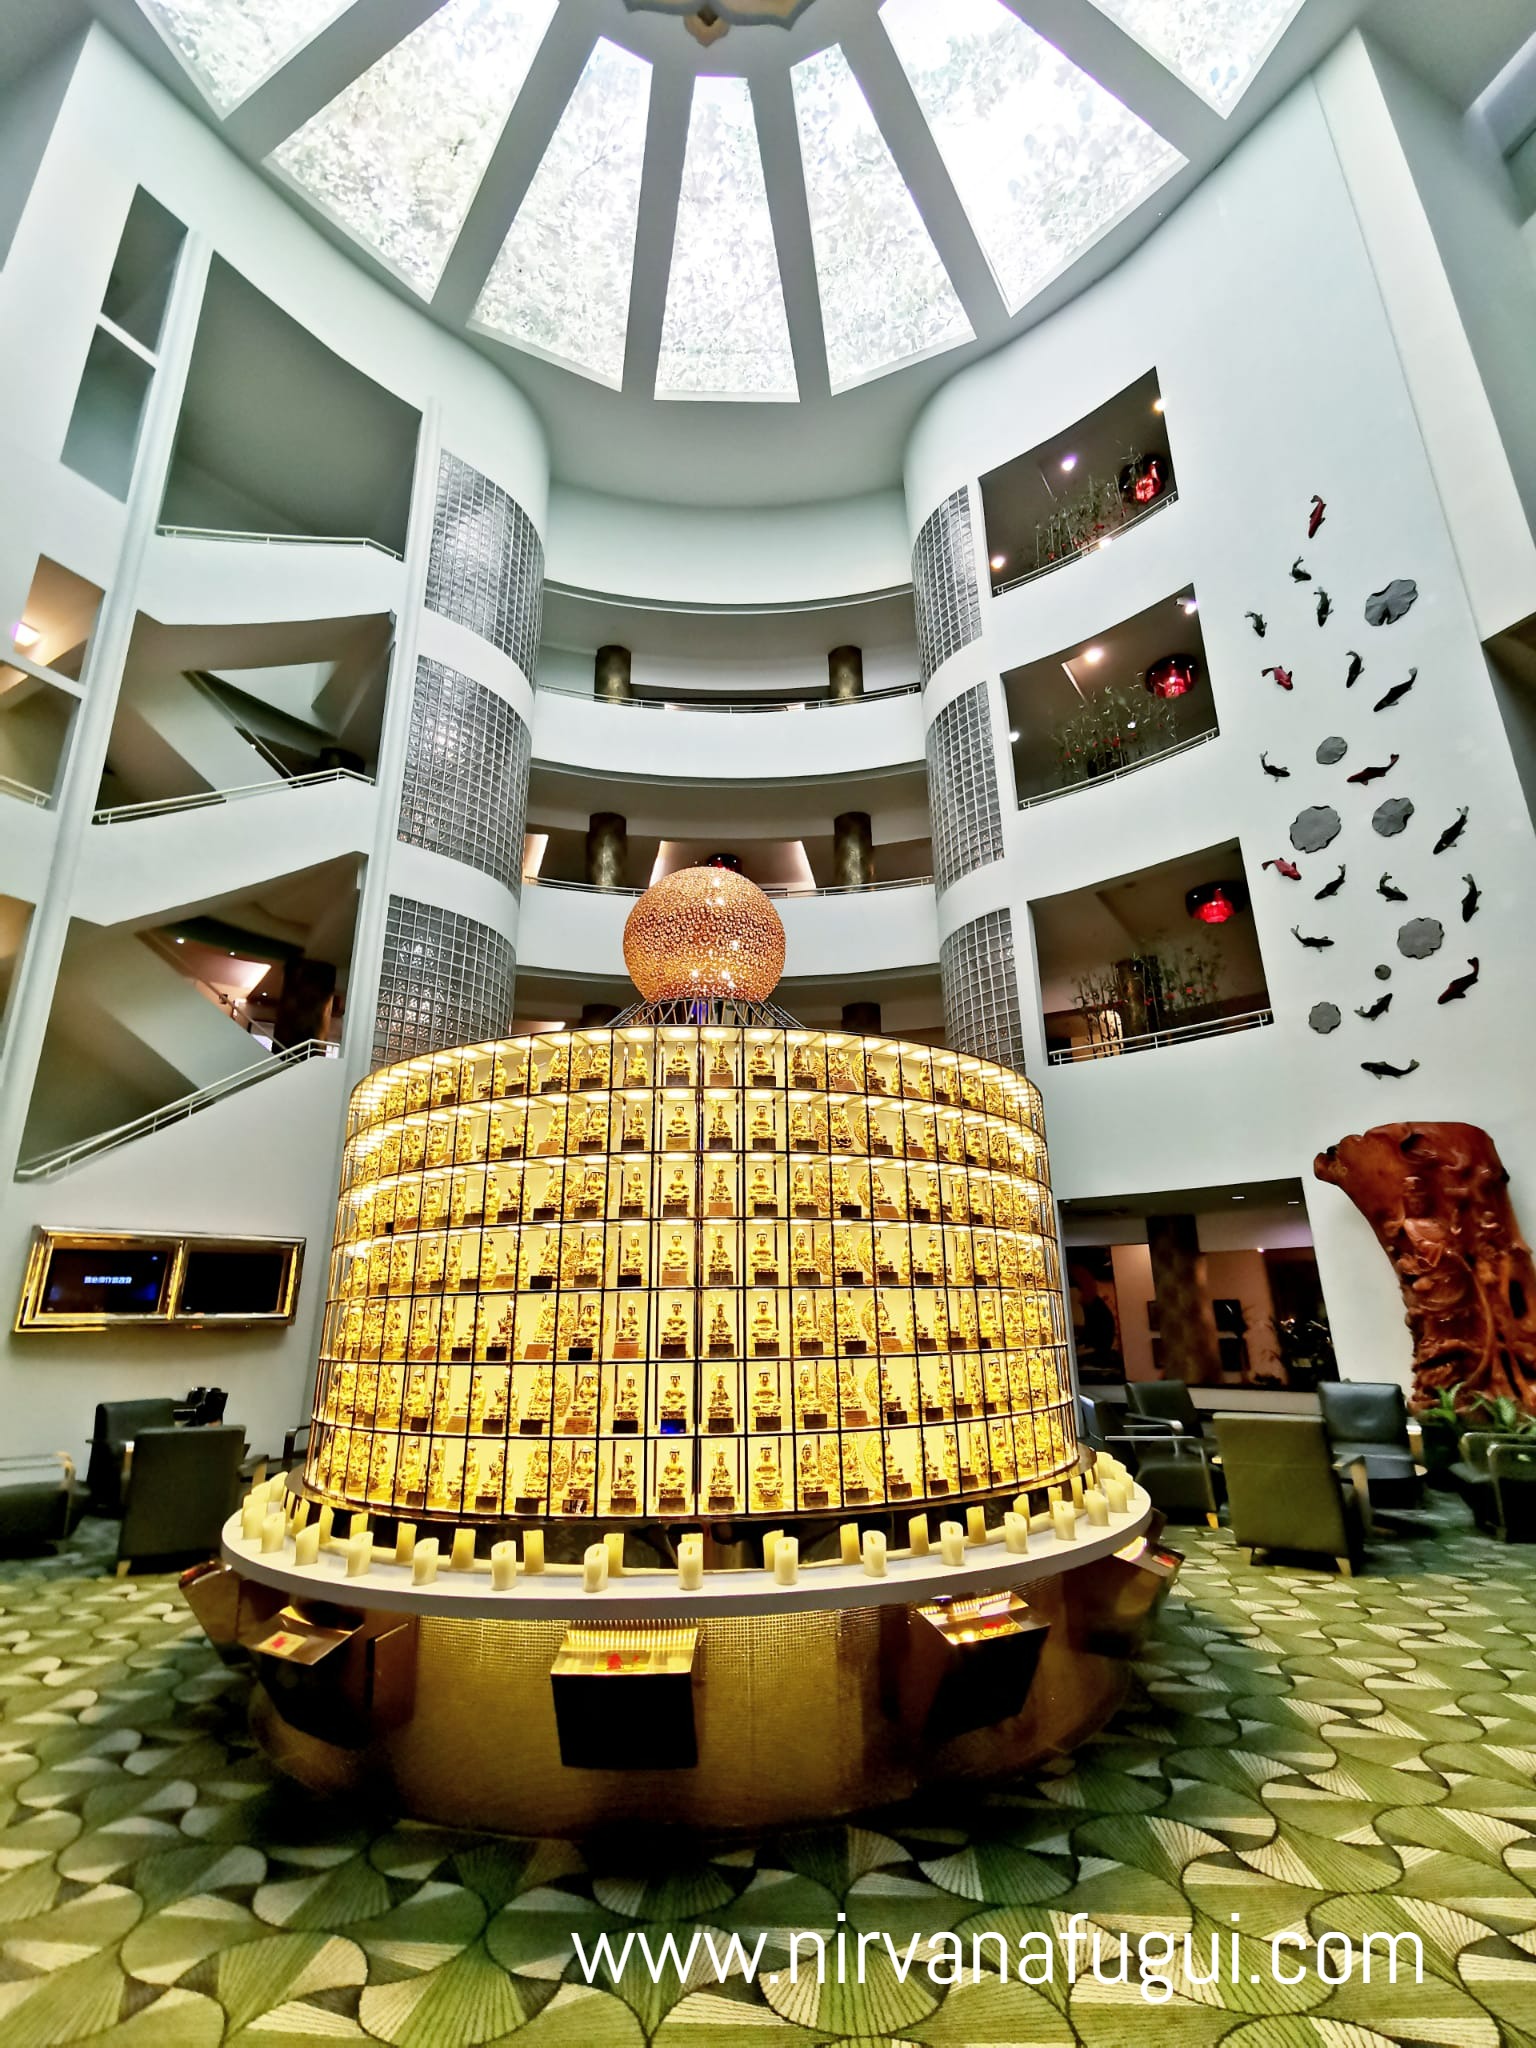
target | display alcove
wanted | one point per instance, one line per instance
(621, 1322)
(698, 1263)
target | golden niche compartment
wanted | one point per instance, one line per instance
(670, 1271)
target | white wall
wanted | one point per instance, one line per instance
(1259, 304)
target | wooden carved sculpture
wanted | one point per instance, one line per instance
(1437, 1197)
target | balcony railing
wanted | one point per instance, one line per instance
(280, 540)
(24, 792)
(749, 709)
(1049, 796)
(49, 1165)
(1147, 1041)
(778, 890)
(1103, 540)
(159, 807)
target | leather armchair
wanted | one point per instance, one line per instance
(1512, 1468)
(183, 1485)
(1284, 1490)
(39, 1501)
(1472, 1474)
(1166, 1401)
(118, 1423)
(1367, 1423)
(1175, 1470)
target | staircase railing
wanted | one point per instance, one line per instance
(206, 690)
(157, 807)
(49, 1165)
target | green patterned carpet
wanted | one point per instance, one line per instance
(1301, 1751)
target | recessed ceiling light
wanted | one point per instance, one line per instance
(999, 561)
(1093, 654)
(1013, 735)
(181, 942)
(1157, 405)
(1069, 462)
(1105, 539)
(1239, 1198)
(24, 636)
(1191, 606)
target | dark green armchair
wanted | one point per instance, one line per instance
(183, 1485)
(1283, 1492)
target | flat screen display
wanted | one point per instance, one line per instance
(120, 1280)
(218, 1281)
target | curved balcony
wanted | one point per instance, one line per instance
(569, 928)
(671, 742)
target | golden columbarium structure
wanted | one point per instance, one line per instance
(739, 1345)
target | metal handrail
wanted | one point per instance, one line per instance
(254, 740)
(24, 792)
(281, 540)
(1169, 497)
(1049, 796)
(160, 806)
(733, 710)
(1145, 1041)
(48, 1165)
(779, 890)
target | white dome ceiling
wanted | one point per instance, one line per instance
(796, 211)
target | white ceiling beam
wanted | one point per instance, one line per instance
(910, 140)
(1103, 49)
(327, 64)
(661, 184)
(778, 135)
(552, 77)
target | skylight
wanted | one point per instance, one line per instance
(396, 158)
(1214, 45)
(561, 283)
(885, 296)
(726, 333)
(1043, 157)
(230, 46)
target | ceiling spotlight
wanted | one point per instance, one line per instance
(999, 561)
(1093, 654)
(1013, 736)
(1191, 606)
(1157, 405)
(1105, 539)
(1239, 1198)
(1069, 462)
(24, 636)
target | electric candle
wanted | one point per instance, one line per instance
(358, 1526)
(273, 1529)
(917, 1536)
(952, 1542)
(424, 1562)
(533, 1551)
(306, 1545)
(1076, 1483)
(771, 1542)
(1098, 1508)
(874, 1554)
(300, 1516)
(848, 1537)
(252, 1514)
(1118, 1494)
(359, 1554)
(1016, 1535)
(594, 1568)
(326, 1523)
(975, 1525)
(614, 1543)
(786, 1561)
(503, 1566)
(690, 1567)
(1065, 1520)
(405, 1542)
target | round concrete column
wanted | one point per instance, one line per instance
(853, 850)
(845, 673)
(607, 851)
(610, 674)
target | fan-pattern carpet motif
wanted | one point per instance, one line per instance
(1299, 1750)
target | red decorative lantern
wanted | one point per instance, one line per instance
(1144, 480)
(1216, 902)
(1174, 676)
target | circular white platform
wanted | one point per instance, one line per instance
(556, 1594)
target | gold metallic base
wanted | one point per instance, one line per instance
(799, 1716)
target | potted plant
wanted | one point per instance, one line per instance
(1441, 1423)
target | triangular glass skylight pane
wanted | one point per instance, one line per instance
(1214, 45)
(396, 157)
(726, 334)
(561, 283)
(1043, 157)
(885, 296)
(230, 46)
